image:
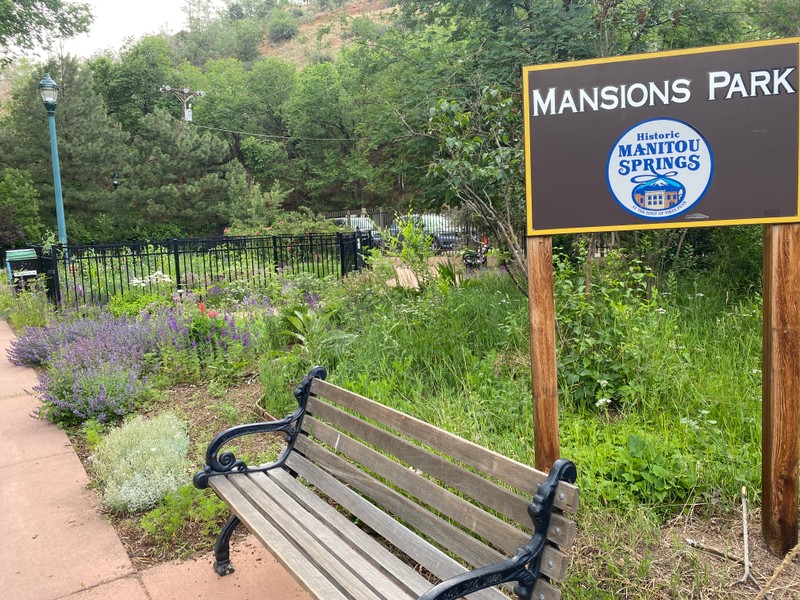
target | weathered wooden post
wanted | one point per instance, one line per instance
(543, 351)
(780, 392)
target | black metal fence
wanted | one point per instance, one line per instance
(93, 273)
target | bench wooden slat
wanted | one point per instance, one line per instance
(340, 563)
(486, 492)
(562, 531)
(507, 470)
(499, 533)
(294, 559)
(544, 591)
(370, 549)
(351, 560)
(460, 543)
(554, 563)
(407, 541)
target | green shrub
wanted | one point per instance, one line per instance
(140, 462)
(600, 334)
(282, 26)
(411, 247)
(134, 303)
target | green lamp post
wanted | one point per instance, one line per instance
(49, 92)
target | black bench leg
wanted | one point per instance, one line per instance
(222, 549)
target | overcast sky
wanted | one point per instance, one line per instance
(114, 21)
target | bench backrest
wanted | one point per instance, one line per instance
(463, 498)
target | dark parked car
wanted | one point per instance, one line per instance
(445, 235)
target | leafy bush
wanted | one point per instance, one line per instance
(318, 341)
(282, 26)
(142, 461)
(411, 246)
(132, 303)
(599, 350)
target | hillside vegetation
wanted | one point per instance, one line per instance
(323, 35)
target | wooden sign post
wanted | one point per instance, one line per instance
(686, 138)
(543, 351)
(780, 407)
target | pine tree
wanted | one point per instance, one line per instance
(91, 147)
(177, 178)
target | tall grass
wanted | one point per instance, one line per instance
(681, 424)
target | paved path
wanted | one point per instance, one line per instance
(58, 545)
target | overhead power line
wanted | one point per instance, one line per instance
(274, 137)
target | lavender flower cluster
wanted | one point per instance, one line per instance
(104, 391)
(94, 368)
(37, 346)
(98, 367)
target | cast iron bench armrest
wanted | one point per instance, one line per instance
(524, 566)
(220, 463)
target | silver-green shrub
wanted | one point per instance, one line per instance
(140, 462)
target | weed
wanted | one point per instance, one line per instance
(93, 431)
(228, 413)
(30, 306)
(185, 513)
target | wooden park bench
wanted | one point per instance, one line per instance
(368, 503)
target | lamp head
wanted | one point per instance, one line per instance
(48, 89)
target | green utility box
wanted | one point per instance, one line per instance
(22, 264)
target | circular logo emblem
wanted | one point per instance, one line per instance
(660, 168)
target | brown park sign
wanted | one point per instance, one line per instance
(697, 137)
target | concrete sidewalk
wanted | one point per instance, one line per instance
(58, 545)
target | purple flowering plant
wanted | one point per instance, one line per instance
(123, 335)
(100, 367)
(93, 368)
(104, 391)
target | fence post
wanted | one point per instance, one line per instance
(275, 253)
(359, 262)
(46, 266)
(53, 282)
(340, 240)
(173, 244)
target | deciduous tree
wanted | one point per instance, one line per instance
(28, 24)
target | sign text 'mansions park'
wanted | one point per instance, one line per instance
(698, 137)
